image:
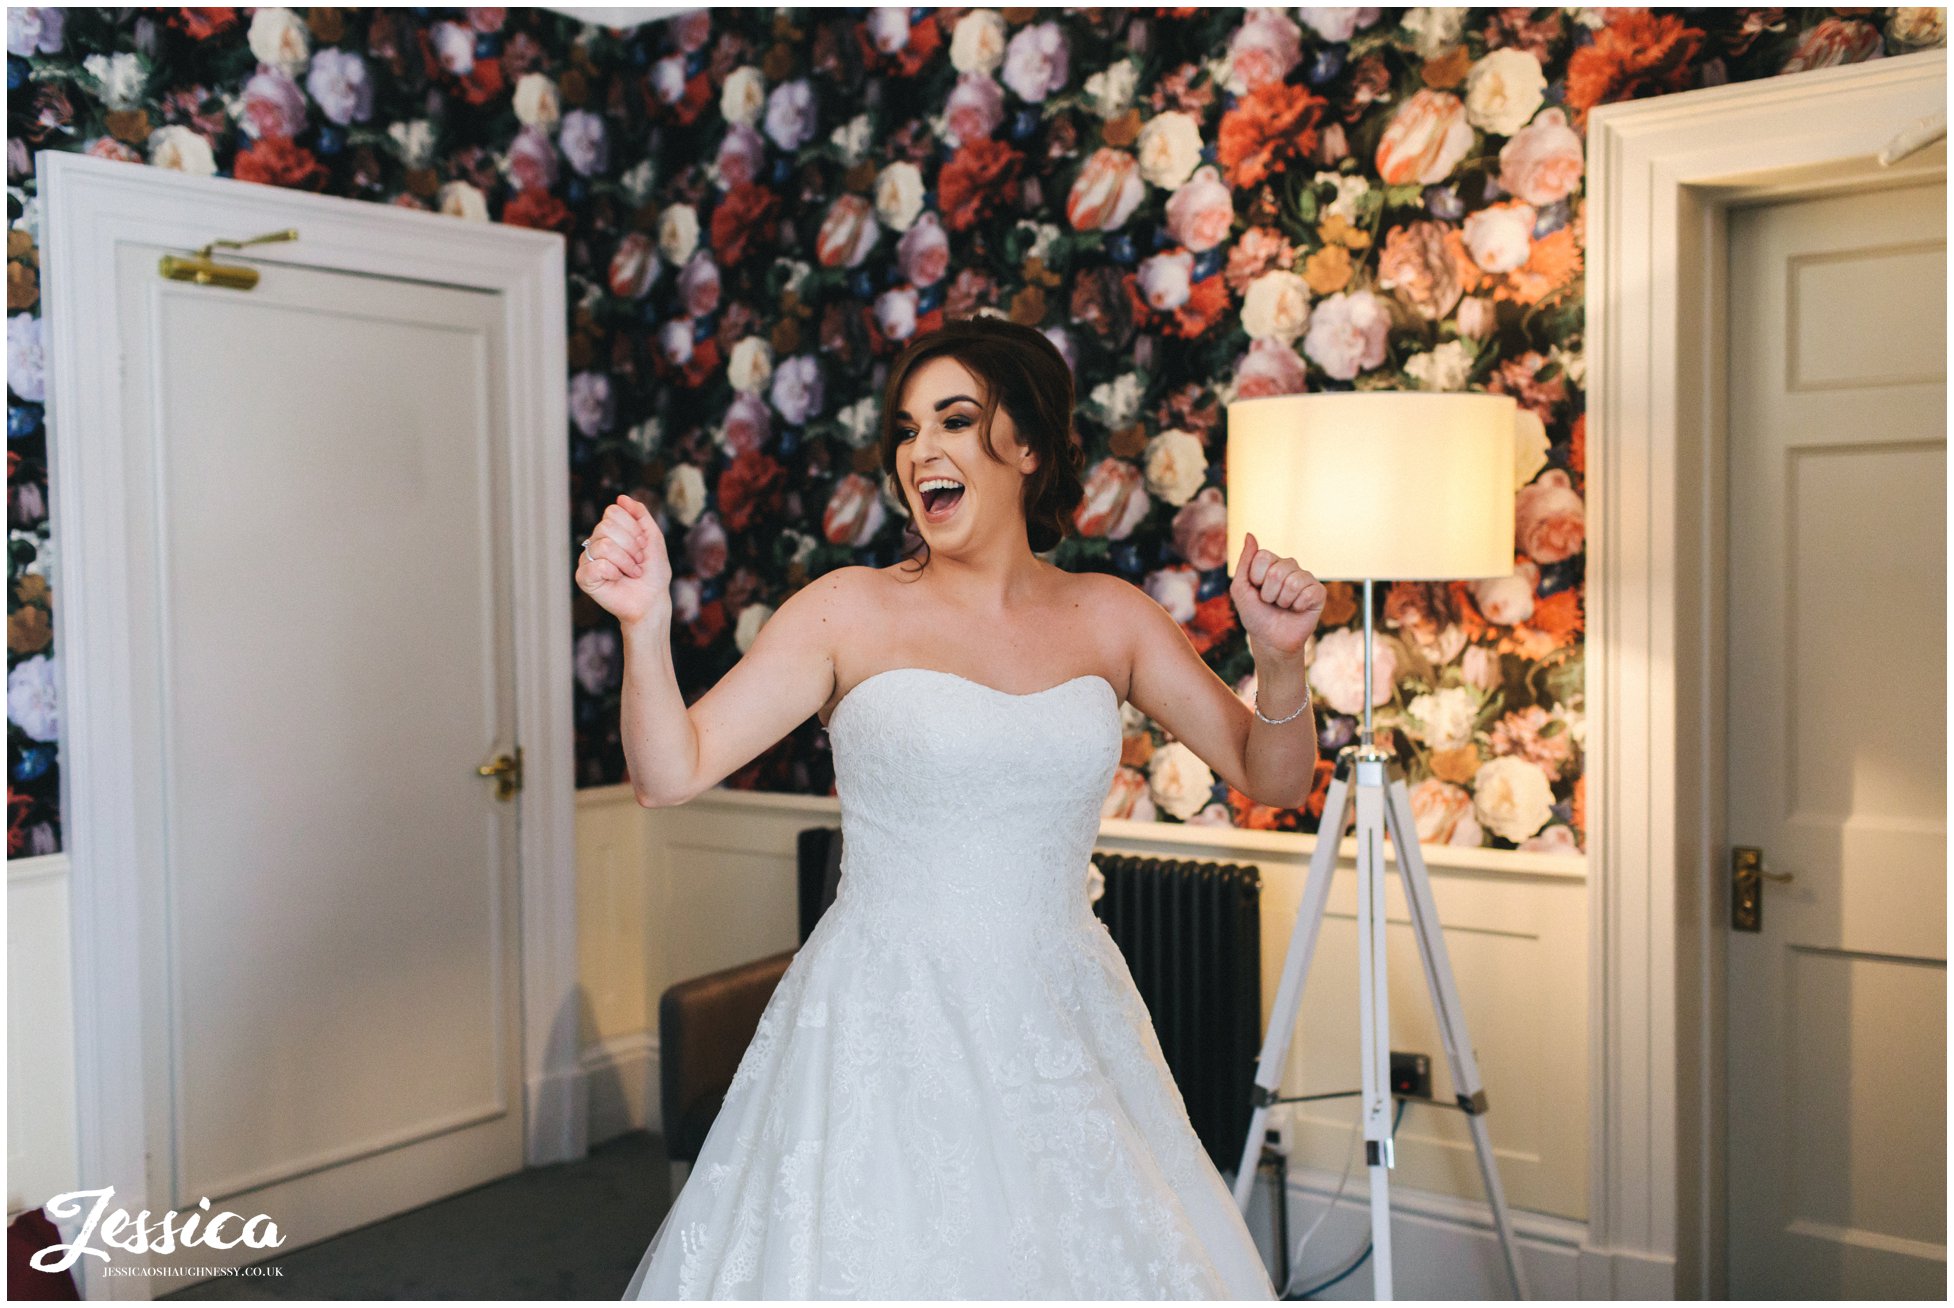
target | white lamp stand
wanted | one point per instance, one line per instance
(1406, 486)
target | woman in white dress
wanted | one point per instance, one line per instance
(955, 1090)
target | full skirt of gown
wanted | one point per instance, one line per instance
(955, 1090)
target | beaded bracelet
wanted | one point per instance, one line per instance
(1276, 722)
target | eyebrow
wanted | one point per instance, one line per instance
(941, 405)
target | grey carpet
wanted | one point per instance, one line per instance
(570, 1231)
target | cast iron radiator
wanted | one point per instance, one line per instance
(1192, 937)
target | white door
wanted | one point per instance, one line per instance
(1837, 707)
(331, 979)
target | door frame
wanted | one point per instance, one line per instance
(88, 206)
(1661, 173)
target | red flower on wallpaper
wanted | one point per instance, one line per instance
(1638, 53)
(1267, 128)
(925, 39)
(1207, 300)
(980, 176)
(483, 82)
(538, 209)
(202, 24)
(275, 161)
(749, 212)
(744, 487)
(1213, 619)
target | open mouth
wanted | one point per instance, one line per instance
(941, 495)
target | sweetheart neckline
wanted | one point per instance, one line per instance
(958, 676)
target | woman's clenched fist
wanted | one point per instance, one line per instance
(624, 566)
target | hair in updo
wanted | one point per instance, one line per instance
(1023, 373)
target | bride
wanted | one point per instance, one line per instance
(955, 1090)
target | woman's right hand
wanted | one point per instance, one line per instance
(624, 567)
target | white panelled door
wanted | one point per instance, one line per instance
(332, 1003)
(1837, 708)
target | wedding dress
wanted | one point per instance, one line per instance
(955, 1090)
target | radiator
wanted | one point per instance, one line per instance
(1192, 937)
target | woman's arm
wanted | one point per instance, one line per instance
(675, 752)
(1279, 604)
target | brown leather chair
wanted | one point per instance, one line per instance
(706, 1023)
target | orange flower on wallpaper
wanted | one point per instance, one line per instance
(1267, 128)
(276, 161)
(1553, 262)
(1556, 624)
(1637, 54)
(979, 177)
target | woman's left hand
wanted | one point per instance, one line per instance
(1279, 603)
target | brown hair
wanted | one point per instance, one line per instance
(1025, 374)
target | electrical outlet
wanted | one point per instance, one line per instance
(1411, 1075)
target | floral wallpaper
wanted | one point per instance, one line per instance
(761, 205)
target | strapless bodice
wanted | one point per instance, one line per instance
(962, 803)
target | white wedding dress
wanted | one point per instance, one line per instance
(955, 1090)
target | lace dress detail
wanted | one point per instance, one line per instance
(955, 1091)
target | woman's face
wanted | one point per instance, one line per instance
(938, 444)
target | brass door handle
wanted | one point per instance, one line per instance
(507, 770)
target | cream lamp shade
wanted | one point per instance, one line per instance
(1384, 485)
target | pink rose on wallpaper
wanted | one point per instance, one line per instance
(1175, 588)
(634, 266)
(741, 155)
(1542, 162)
(273, 105)
(1479, 667)
(705, 546)
(1347, 333)
(1337, 672)
(798, 390)
(1339, 23)
(1555, 839)
(1263, 49)
(1420, 265)
(685, 598)
(1550, 518)
(1166, 279)
(848, 233)
(486, 19)
(1061, 340)
(1270, 367)
(888, 28)
(923, 253)
(1834, 41)
(854, 513)
(454, 48)
(532, 160)
(1106, 192)
(675, 341)
(668, 79)
(748, 424)
(585, 139)
(698, 285)
(103, 147)
(692, 31)
(895, 312)
(974, 109)
(1500, 236)
(593, 402)
(1129, 796)
(1436, 807)
(1425, 140)
(1201, 530)
(1522, 731)
(1037, 62)
(790, 114)
(1201, 211)
(1115, 500)
(1477, 317)
(1507, 600)
(342, 85)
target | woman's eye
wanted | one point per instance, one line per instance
(959, 422)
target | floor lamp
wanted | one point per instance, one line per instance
(1375, 485)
